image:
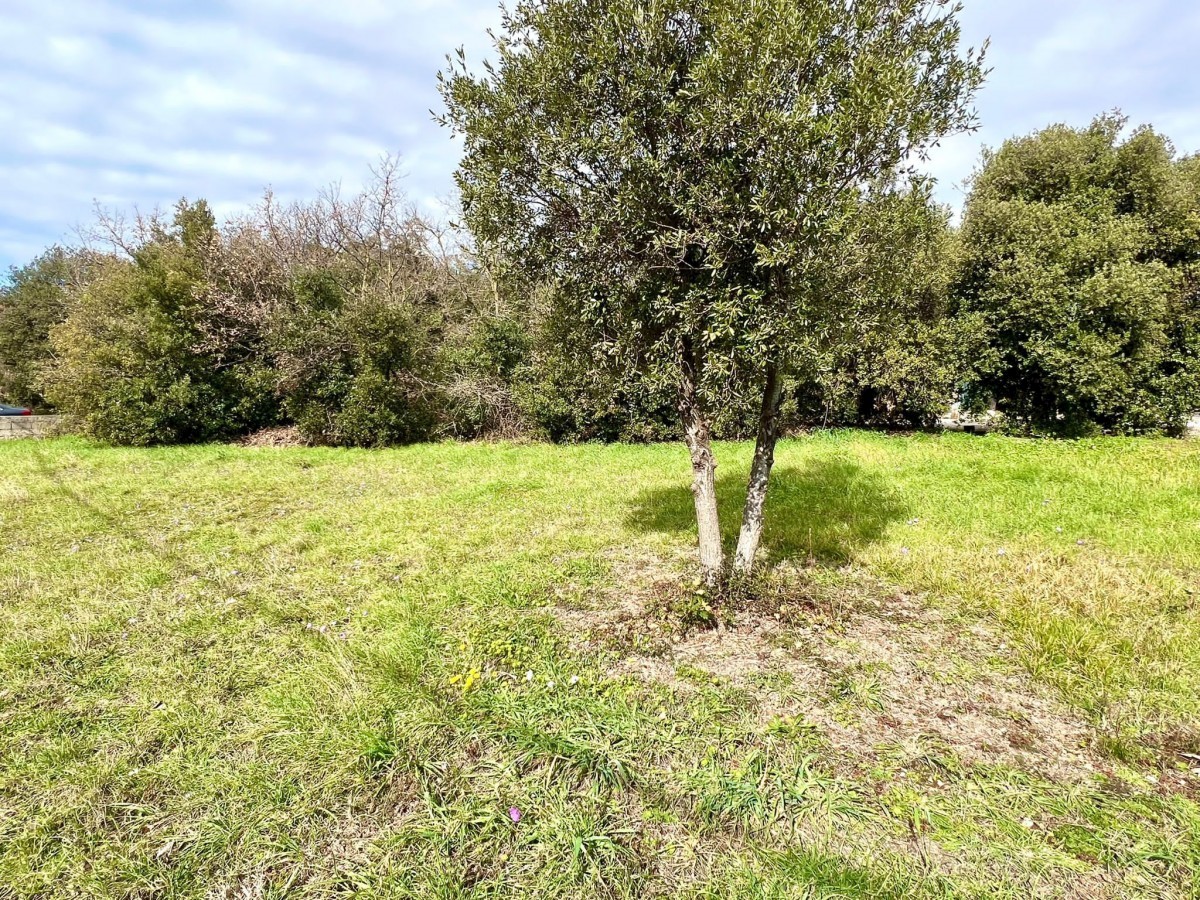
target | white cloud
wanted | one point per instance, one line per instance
(1070, 60)
(137, 102)
(132, 103)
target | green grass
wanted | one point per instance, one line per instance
(230, 672)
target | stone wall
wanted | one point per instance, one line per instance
(28, 426)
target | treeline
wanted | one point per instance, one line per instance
(1069, 298)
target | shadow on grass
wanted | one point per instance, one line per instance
(823, 512)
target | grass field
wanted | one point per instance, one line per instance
(973, 670)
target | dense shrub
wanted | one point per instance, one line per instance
(568, 395)
(1079, 258)
(132, 361)
(907, 352)
(902, 379)
(480, 361)
(348, 317)
(354, 370)
(378, 334)
(342, 316)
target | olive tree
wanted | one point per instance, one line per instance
(690, 175)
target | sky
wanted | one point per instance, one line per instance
(126, 103)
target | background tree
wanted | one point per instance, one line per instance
(1080, 254)
(690, 175)
(32, 300)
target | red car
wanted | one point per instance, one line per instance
(14, 411)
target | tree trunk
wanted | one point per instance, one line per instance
(760, 473)
(704, 480)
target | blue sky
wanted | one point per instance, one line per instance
(139, 102)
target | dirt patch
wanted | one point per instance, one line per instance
(351, 834)
(916, 680)
(629, 615)
(877, 670)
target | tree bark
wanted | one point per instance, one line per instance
(698, 438)
(760, 473)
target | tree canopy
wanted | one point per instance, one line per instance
(1081, 254)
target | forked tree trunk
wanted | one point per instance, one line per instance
(760, 474)
(698, 438)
